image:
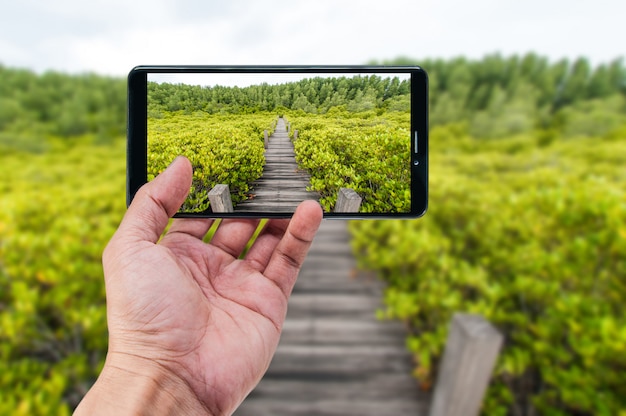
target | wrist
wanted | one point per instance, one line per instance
(135, 386)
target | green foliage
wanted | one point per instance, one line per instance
(313, 95)
(58, 211)
(533, 237)
(222, 150)
(361, 151)
(55, 104)
(498, 96)
(594, 117)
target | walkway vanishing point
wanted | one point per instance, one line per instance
(335, 357)
(282, 186)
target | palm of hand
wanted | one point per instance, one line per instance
(199, 312)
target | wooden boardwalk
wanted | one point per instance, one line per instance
(282, 186)
(335, 357)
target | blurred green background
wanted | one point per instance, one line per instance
(526, 226)
(527, 215)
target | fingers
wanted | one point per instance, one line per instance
(265, 244)
(156, 202)
(291, 250)
(232, 235)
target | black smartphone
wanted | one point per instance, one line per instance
(262, 139)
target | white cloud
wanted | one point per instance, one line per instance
(111, 36)
(178, 45)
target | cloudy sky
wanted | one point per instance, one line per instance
(112, 36)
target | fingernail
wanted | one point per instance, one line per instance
(174, 161)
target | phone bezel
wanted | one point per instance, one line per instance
(137, 130)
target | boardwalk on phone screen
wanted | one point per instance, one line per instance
(282, 186)
(335, 357)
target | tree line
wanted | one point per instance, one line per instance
(312, 95)
(492, 97)
(498, 96)
(37, 106)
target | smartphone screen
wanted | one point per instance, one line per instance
(263, 139)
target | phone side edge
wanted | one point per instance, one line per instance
(136, 132)
(419, 143)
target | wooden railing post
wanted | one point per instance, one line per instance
(219, 198)
(347, 201)
(471, 351)
(265, 139)
(295, 135)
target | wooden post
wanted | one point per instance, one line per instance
(347, 201)
(471, 351)
(265, 139)
(295, 135)
(219, 198)
(288, 127)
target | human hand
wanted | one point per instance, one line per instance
(192, 328)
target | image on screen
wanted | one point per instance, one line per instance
(264, 142)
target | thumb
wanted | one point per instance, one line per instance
(156, 202)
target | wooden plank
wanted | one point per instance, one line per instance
(347, 201)
(219, 198)
(333, 330)
(339, 359)
(326, 301)
(471, 350)
(300, 386)
(338, 407)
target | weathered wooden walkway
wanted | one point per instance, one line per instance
(282, 186)
(335, 357)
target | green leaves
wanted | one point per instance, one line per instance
(358, 151)
(534, 239)
(222, 150)
(58, 211)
